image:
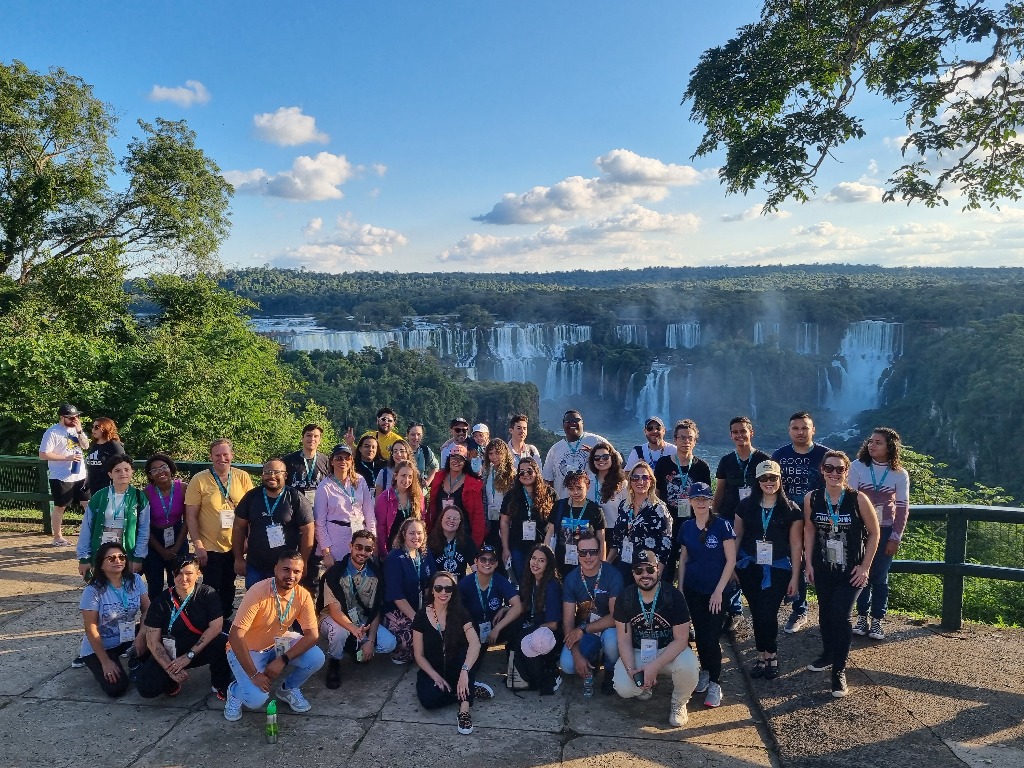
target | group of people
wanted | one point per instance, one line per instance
(572, 563)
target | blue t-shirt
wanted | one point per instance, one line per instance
(113, 608)
(402, 581)
(539, 609)
(483, 605)
(597, 590)
(801, 472)
(705, 555)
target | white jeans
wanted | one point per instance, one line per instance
(337, 636)
(684, 670)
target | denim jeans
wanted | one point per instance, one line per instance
(875, 596)
(337, 636)
(593, 647)
(302, 668)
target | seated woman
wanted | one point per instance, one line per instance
(536, 637)
(449, 543)
(184, 630)
(407, 571)
(446, 646)
(110, 606)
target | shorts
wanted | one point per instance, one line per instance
(66, 492)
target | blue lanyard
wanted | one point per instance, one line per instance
(118, 511)
(597, 581)
(350, 492)
(833, 512)
(121, 595)
(744, 465)
(686, 474)
(177, 610)
(574, 449)
(449, 550)
(310, 468)
(483, 596)
(266, 502)
(282, 615)
(878, 483)
(225, 491)
(529, 505)
(766, 520)
(573, 520)
(417, 561)
(648, 616)
(167, 506)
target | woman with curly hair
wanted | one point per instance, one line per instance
(609, 487)
(498, 477)
(524, 515)
(449, 543)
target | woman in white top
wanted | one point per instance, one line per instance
(342, 504)
(609, 486)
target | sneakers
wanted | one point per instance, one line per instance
(645, 694)
(702, 682)
(729, 623)
(839, 688)
(465, 723)
(759, 667)
(771, 669)
(333, 674)
(678, 716)
(861, 627)
(232, 707)
(77, 663)
(483, 691)
(62, 542)
(821, 664)
(293, 698)
(608, 683)
(714, 697)
(554, 688)
(797, 621)
(876, 632)
(399, 660)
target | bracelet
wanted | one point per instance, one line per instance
(285, 659)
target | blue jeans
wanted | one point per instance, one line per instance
(592, 646)
(875, 596)
(302, 668)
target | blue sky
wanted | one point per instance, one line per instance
(477, 136)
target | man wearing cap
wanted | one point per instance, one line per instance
(477, 446)
(800, 462)
(63, 448)
(655, 449)
(588, 604)
(653, 627)
(460, 436)
(385, 432)
(570, 453)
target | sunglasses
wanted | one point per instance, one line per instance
(833, 469)
(460, 429)
(343, 457)
(487, 560)
(768, 479)
(572, 421)
(362, 548)
(640, 478)
(456, 457)
(651, 428)
(439, 588)
(588, 552)
(640, 570)
(116, 558)
(527, 473)
(602, 457)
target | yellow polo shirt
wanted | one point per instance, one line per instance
(204, 490)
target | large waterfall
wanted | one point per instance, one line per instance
(866, 355)
(653, 399)
(682, 335)
(632, 334)
(807, 338)
(764, 331)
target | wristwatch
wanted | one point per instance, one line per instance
(584, 626)
(190, 655)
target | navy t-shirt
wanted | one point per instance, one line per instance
(801, 472)
(593, 593)
(705, 554)
(484, 604)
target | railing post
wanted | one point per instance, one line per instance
(953, 583)
(43, 486)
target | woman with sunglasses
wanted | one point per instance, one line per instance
(498, 476)
(458, 484)
(707, 559)
(404, 499)
(540, 590)
(407, 572)
(769, 528)
(610, 482)
(342, 504)
(167, 530)
(106, 442)
(111, 606)
(449, 543)
(570, 518)
(524, 516)
(642, 522)
(446, 647)
(840, 539)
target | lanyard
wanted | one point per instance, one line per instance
(529, 505)
(177, 610)
(168, 506)
(282, 615)
(686, 474)
(121, 595)
(650, 454)
(449, 550)
(352, 573)
(417, 561)
(117, 510)
(743, 464)
(766, 520)
(350, 492)
(483, 596)
(266, 502)
(649, 616)
(225, 491)
(833, 512)
(573, 520)
(490, 485)
(310, 468)
(878, 483)
(574, 449)
(597, 581)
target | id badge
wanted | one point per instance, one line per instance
(111, 535)
(227, 519)
(683, 508)
(593, 617)
(572, 556)
(275, 536)
(529, 530)
(126, 630)
(879, 512)
(764, 553)
(627, 552)
(168, 537)
(281, 646)
(744, 492)
(648, 651)
(485, 630)
(834, 554)
(170, 647)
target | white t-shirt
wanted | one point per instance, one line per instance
(57, 439)
(563, 458)
(646, 454)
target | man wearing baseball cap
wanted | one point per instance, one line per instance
(63, 447)
(656, 447)
(460, 436)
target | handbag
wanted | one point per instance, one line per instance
(513, 680)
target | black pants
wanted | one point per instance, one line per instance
(120, 685)
(219, 573)
(707, 626)
(432, 697)
(152, 680)
(155, 568)
(502, 638)
(539, 671)
(836, 596)
(764, 603)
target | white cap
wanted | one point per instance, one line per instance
(481, 428)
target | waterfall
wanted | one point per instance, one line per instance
(632, 334)
(688, 392)
(866, 354)
(564, 378)
(600, 386)
(653, 399)
(630, 403)
(682, 335)
(807, 338)
(753, 398)
(763, 331)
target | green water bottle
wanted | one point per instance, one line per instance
(271, 729)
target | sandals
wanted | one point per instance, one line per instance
(759, 668)
(771, 670)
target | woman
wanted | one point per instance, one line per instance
(879, 474)
(610, 482)
(524, 515)
(367, 461)
(404, 499)
(540, 591)
(571, 517)
(458, 484)
(407, 572)
(642, 522)
(111, 604)
(840, 540)
(769, 529)
(342, 504)
(498, 477)
(106, 442)
(446, 646)
(167, 530)
(119, 512)
(449, 544)
(184, 630)
(400, 451)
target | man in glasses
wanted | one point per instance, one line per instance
(570, 453)
(588, 602)
(460, 436)
(269, 521)
(653, 627)
(349, 607)
(655, 449)
(63, 447)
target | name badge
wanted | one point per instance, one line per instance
(764, 553)
(126, 630)
(275, 536)
(593, 617)
(648, 651)
(744, 492)
(879, 511)
(485, 630)
(683, 508)
(284, 642)
(529, 530)
(170, 647)
(227, 519)
(572, 556)
(168, 537)
(834, 552)
(627, 551)
(110, 535)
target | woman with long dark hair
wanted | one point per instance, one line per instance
(458, 484)
(540, 591)
(524, 515)
(118, 512)
(449, 543)
(610, 484)
(367, 459)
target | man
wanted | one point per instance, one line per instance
(63, 447)
(478, 446)
(210, 501)
(349, 607)
(570, 453)
(518, 429)
(588, 605)
(652, 623)
(268, 521)
(656, 447)
(426, 461)
(801, 473)
(261, 645)
(307, 466)
(493, 604)
(385, 432)
(460, 436)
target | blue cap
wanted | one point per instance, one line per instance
(700, 491)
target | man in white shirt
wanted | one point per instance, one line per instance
(570, 453)
(63, 447)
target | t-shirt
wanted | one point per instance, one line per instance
(543, 609)
(780, 521)
(570, 523)
(529, 451)
(887, 490)
(484, 604)
(705, 554)
(433, 644)
(113, 607)
(673, 479)
(737, 474)
(258, 618)
(384, 442)
(669, 610)
(96, 458)
(591, 594)
(305, 474)
(404, 579)
(57, 439)
(454, 557)
(847, 529)
(801, 472)
(204, 490)
(564, 458)
(202, 608)
(426, 461)
(291, 513)
(358, 594)
(643, 452)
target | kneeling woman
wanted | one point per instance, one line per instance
(446, 646)
(110, 612)
(184, 630)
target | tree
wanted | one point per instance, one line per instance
(59, 201)
(779, 95)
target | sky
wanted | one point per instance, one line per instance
(478, 136)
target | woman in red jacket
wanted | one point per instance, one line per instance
(457, 484)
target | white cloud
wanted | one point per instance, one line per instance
(288, 127)
(192, 92)
(314, 226)
(854, 192)
(310, 178)
(755, 212)
(379, 168)
(625, 167)
(351, 246)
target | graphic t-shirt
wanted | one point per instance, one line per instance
(669, 610)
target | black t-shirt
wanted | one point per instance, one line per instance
(94, 461)
(674, 485)
(779, 524)
(737, 474)
(454, 557)
(670, 610)
(516, 507)
(305, 474)
(291, 512)
(569, 523)
(368, 470)
(202, 608)
(433, 644)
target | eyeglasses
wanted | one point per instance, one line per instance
(159, 469)
(602, 457)
(456, 457)
(640, 478)
(833, 469)
(362, 547)
(439, 588)
(487, 560)
(588, 552)
(274, 472)
(640, 570)
(116, 558)
(768, 479)
(527, 472)
(572, 421)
